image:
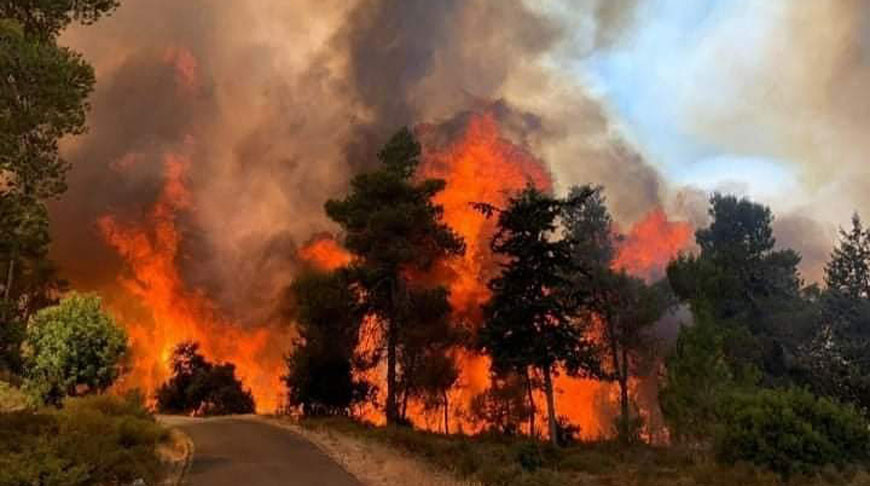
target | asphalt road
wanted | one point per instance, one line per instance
(241, 451)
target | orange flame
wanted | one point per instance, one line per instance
(651, 244)
(159, 311)
(325, 253)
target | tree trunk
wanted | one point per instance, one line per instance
(446, 417)
(392, 405)
(531, 403)
(620, 378)
(551, 406)
(624, 422)
(9, 274)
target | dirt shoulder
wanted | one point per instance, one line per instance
(372, 463)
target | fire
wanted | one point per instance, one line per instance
(651, 244)
(325, 253)
(159, 311)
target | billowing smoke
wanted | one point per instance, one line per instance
(277, 104)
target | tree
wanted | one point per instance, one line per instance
(45, 19)
(72, 348)
(697, 377)
(629, 310)
(749, 288)
(837, 356)
(528, 320)
(320, 377)
(43, 97)
(200, 387)
(503, 407)
(391, 224)
(625, 307)
(847, 273)
(426, 340)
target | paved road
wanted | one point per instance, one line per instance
(241, 451)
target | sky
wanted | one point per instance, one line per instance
(649, 79)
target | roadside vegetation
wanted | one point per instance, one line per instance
(765, 384)
(95, 440)
(500, 460)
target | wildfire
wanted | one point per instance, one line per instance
(325, 253)
(159, 311)
(651, 244)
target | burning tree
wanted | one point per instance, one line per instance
(529, 325)
(201, 387)
(320, 377)
(393, 227)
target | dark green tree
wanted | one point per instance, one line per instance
(43, 98)
(529, 321)
(848, 270)
(392, 225)
(45, 19)
(697, 378)
(201, 387)
(320, 377)
(837, 357)
(750, 289)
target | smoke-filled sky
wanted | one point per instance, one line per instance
(278, 103)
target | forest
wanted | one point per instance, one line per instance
(765, 372)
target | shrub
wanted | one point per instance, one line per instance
(790, 431)
(71, 349)
(198, 386)
(91, 441)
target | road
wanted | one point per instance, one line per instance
(242, 451)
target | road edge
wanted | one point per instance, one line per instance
(178, 467)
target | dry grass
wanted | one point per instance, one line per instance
(401, 456)
(372, 463)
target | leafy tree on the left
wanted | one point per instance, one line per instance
(43, 98)
(71, 349)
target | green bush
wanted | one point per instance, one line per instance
(72, 349)
(92, 441)
(790, 432)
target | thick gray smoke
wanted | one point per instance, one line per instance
(277, 104)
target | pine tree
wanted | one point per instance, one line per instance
(529, 322)
(391, 224)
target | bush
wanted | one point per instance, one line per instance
(790, 431)
(71, 349)
(91, 441)
(198, 386)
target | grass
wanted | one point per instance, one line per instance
(12, 399)
(95, 441)
(511, 461)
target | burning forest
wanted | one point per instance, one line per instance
(475, 219)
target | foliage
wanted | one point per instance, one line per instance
(427, 340)
(47, 18)
(99, 440)
(791, 431)
(12, 399)
(72, 348)
(497, 460)
(198, 386)
(836, 359)
(528, 320)
(320, 377)
(697, 377)
(503, 407)
(748, 287)
(43, 97)
(391, 224)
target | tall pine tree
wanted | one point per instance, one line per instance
(392, 225)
